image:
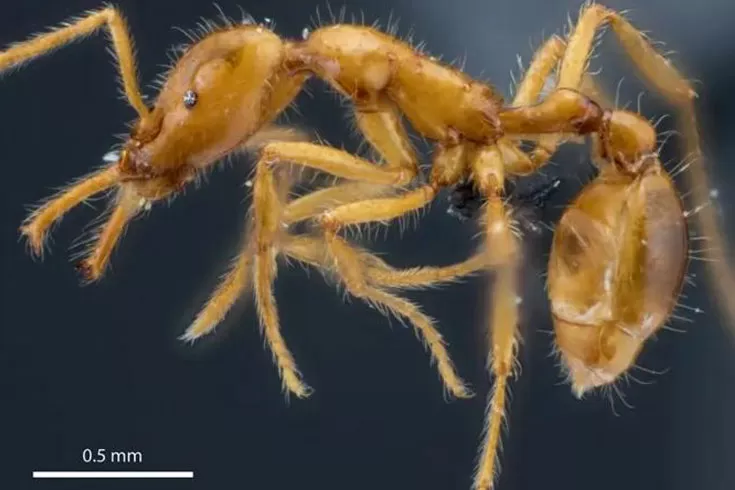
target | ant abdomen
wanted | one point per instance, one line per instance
(616, 268)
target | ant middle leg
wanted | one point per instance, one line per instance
(384, 131)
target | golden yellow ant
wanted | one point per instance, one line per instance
(619, 252)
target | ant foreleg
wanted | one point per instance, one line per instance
(238, 280)
(267, 228)
(121, 41)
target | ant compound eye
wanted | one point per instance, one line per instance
(190, 99)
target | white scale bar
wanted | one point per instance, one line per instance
(113, 474)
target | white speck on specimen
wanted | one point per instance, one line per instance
(111, 157)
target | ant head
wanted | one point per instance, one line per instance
(222, 91)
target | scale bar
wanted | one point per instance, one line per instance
(113, 474)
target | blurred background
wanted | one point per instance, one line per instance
(101, 367)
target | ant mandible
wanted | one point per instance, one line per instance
(619, 252)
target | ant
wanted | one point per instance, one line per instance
(619, 252)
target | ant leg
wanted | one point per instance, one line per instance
(371, 180)
(267, 231)
(267, 210)
(656, 69)
(535, 79)
(271, 133)
(238, 279)
(531, 86)
(309, 205)
(127, 206)
(312, 250)
(572, 58)
(488, 167)
(546, 58)
(121, 41)
(36, 226)
(231, 287)
(349, 265)
(569, 113)
(382, 127)
(426, 276)
(363, 265)
(256, 266)
(528, 91)
(380, 210)
(592, 89)
(336, 162)
(379, 273)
